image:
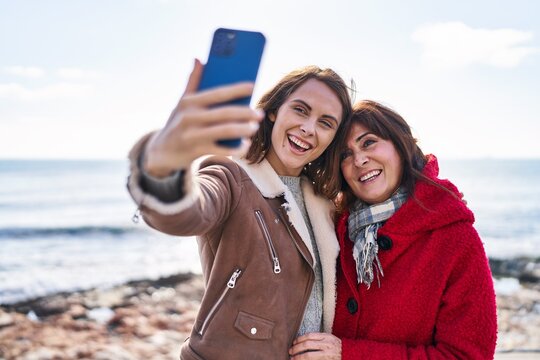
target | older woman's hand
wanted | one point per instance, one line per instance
(316, 346)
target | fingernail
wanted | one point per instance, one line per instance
(254, 125)
(260, 113)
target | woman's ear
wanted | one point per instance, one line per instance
(272, 116)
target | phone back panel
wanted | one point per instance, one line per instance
(234, 57)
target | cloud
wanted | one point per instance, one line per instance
(24, 71)
(67, 82)
(455, 45)
(70, 73)
(67, 73)
(54, 91)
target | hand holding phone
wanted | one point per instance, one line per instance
(235, 56)
(190, 133)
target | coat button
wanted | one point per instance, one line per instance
(352, 305)
(384, 242)
(253, 331)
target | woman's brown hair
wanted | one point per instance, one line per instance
(389, 125)
(324, 171)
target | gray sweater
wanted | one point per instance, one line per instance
(312, 321)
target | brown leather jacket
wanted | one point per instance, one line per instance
(255, 253)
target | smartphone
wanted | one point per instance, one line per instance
(235, 56)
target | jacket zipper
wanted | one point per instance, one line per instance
(286, 223)
(273, 252)
(230, 285)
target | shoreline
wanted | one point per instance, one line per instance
(152, 318)
(524, 269)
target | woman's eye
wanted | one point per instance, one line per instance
(300, 110)
(327, 123)
(369, 142)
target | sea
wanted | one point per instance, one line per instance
(66, 225)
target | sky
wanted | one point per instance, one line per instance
(86, 79)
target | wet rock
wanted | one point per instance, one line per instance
(50, 306)
(524, 269)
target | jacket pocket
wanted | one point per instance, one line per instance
(254, 327)
(271, 247)
(230, 285)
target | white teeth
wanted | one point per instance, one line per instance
(300, 143)
(370, 175)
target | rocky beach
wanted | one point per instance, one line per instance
(151, 319)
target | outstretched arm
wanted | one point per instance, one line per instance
(192, 130)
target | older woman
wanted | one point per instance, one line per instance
(413, 280)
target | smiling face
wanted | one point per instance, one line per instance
(304, 125)
(371, 165)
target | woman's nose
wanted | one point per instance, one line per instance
(308, 127)
(360, 159)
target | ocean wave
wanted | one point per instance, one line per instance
(76, 231)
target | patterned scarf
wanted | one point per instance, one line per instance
(364, 221)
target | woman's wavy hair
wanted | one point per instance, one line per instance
(389, 125)
(324, 171)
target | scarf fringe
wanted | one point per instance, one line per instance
(369, 265)
(364, 222)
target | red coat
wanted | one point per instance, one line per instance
(436, 299)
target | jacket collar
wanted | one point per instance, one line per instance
(270, 185)
(264, 177)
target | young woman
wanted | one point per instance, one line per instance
(265, 231)
(413, 280)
